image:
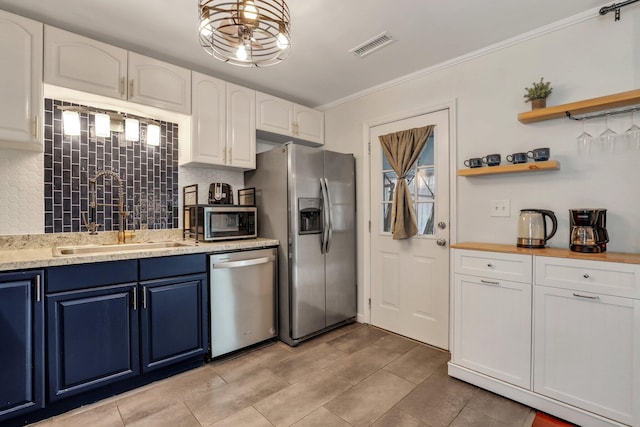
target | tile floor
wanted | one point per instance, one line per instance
(357, 375)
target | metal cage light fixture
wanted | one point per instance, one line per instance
(247, 33)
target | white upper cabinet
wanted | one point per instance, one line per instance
(208, 122)
(241, 127)
(273, 114)
(308, 124)
(84, 64)
(80, 63)
(223, 129)
(21, 85)
(287, 119)
(159, 84)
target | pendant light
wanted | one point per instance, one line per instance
(247, 33)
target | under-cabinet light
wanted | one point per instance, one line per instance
(131, 129)
(153, 135)
(103, 125)
(71, 123)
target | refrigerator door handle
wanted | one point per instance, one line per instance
(325, 216)
(329, 219)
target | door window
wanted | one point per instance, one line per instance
(421, 181)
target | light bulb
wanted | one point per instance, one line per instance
(282, 41)
(103, 125)
(153, 135)
(131, 129)
(71, 123)
(241, 53)
(250, 11)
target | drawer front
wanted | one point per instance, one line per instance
(93, 275)
(495, 265)
(600, 277)
(170, 266)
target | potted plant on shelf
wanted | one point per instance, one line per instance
(538, 94)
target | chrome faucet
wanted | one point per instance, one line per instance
(92, 225)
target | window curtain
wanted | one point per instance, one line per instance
(402, 150)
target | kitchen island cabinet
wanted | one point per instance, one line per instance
(21, 109)
(587, 335)
(492, 315)
(584, 336)
(22, 337)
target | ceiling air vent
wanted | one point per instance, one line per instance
(371, 45)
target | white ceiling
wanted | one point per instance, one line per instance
(320, 70)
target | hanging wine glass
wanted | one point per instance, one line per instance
(584, 141)
(632, 135)
(608, 138)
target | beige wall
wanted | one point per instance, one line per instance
(585, 59)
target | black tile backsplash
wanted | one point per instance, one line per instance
(149, 175)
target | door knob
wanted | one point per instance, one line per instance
(442, 225)
(441, 242)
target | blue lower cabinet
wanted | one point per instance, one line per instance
(92, 338)
(173, 320)
(22, 343)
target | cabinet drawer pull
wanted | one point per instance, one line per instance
(131, 89)
(144, 297)
(135, 298)
(122, 87)
(35, 128)
(489, 282)
(586, 276)
(595, 298)
(38, 288)
(490, 265)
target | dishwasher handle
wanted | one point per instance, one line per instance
(243, 263)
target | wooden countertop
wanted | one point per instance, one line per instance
(550, 252)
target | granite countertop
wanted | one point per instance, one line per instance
(627, 258)
(37, 251)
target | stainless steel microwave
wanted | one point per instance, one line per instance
(218, 222)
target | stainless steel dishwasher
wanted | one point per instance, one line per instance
(243, 299)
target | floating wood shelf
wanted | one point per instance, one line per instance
(521, 167)
(593, 105)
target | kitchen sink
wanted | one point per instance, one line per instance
(116, 248)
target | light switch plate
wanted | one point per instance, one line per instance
(500, 208)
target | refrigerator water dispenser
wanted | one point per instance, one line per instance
(309, 216)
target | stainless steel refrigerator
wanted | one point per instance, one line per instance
(306, 199)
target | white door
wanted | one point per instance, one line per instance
(410, 278)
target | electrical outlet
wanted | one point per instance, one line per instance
(500, 208)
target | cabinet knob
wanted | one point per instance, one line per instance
(490, 265)
(586, 276)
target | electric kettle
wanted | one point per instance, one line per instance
(532, 228)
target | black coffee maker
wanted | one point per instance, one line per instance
(588, 230)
